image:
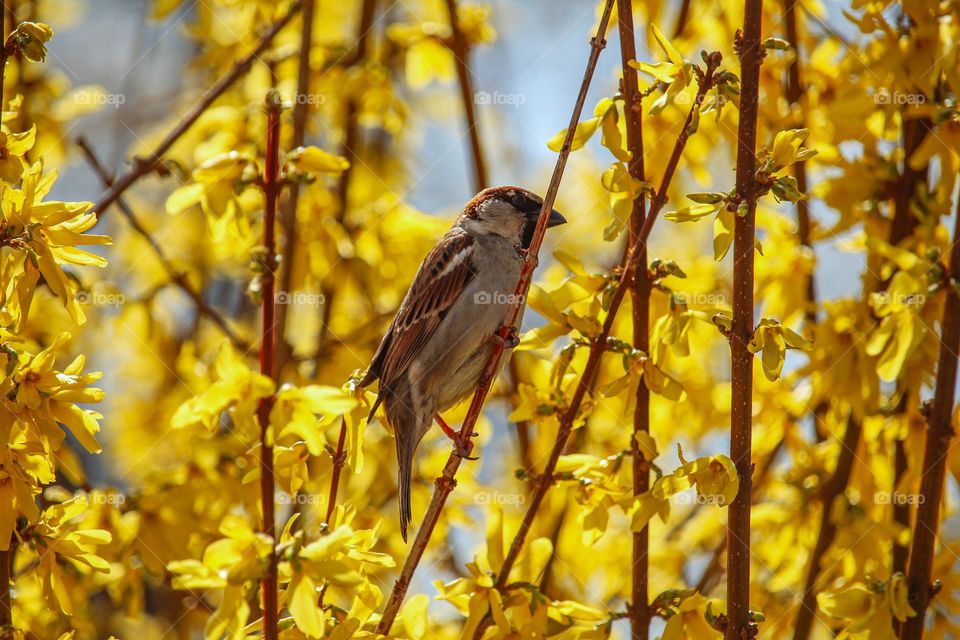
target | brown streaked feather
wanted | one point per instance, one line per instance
(441, 279)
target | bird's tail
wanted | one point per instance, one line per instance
(406, 446)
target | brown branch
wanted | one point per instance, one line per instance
(288, 210)
(178, 278)
(7, 558)
(461, 57)
(338, 458)
(446, 482)
(682, 16)
(741, 400)
(268, 302)
(144, 166)
(830, 491)
(598, 344)
(939, 434)
(640, 296)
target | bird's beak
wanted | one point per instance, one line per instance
(555, 219)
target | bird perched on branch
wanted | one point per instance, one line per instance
(440, 342)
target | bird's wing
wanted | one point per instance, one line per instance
(442, 277)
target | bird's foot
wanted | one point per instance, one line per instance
(509, 341)
(460, 449)
(447, 429)
(463, 450)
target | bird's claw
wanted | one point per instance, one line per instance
(462, 451)
(510, 341)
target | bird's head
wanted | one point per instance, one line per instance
(510, 212)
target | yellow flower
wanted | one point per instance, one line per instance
(48, 234)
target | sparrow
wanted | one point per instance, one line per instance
(438, 345)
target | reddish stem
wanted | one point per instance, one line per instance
(446, 482)
(271, 189)
(741, 401)
(339, 458)
(939, 434)
(640, 295)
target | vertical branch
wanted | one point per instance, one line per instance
(288, 213)
(7, 558)
(832, 489)
(939, 434)
(461, 57)
(640, 295)
(271, 188)
(741, 401)
(446, 482)
(682, 16)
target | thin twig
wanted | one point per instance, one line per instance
(338, 459)
(831, 490)
(598, 345)
(271, 189)
(640, 295)
(939, 434)
(446, 482)
(144, 166)
(741, 400)
(288, 210)
(7, 558)
(178, 278)
(461, 58)
(682, 16)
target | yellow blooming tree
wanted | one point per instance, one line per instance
(731, 410)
